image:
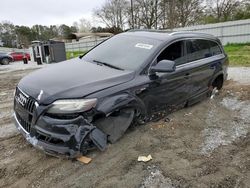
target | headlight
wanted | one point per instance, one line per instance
(72, 106)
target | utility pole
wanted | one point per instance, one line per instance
(132, 13)
(156, 9)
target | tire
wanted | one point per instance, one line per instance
(215, 86)
(5, 61)
(218, 82)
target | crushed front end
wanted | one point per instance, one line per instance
(57, 135)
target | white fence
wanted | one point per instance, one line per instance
(83, 45)
(7, 50)
(227, 32)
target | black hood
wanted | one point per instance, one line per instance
(71, 79)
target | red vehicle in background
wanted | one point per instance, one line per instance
(18, 56)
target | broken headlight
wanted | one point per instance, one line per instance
(72, 106)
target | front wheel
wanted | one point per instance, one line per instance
(116, 124)
(5, 61)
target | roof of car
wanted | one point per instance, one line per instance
(166, 35)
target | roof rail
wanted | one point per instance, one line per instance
(189, 32)
(148, 30)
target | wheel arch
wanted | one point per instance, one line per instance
(116, 102)
(217, 77)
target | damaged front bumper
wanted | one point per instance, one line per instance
(63, 137)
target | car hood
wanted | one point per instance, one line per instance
(71, 79)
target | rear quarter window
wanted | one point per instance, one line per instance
(214, 48)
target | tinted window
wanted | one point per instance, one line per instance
(173, 52)
(126, 52)
(197, 49)
(214, 48)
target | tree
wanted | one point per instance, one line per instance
(8, 34)
(24, 36)
(65, 30)
(189, 11)
(222, 10)
(43, 33)
(243, 11)
(113, 13)
(113, 30)
(147, 13)
(82, 25)
(169, 18)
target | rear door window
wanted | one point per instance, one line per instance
(197, 49)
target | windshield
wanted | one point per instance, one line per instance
(124, 52)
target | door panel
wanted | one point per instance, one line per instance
(170, 89)
(202, 63)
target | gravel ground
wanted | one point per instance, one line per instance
(206, 145)
(18, 65)
(239, 74)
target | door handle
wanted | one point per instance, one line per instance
(187, 75)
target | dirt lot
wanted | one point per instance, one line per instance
(207, 145)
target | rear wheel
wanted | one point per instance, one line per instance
(216, 86)
(218, 82)
(5, 61)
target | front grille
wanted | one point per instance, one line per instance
(26, 125)
(24, 109)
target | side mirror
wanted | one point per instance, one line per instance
(163, 66)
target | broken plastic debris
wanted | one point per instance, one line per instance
(167, 120)
(145, 158)
(214, 92)
(85, 160)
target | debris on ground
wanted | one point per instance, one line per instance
(188, 114)
(167, 120)
(144, 158)
(214, 92)
(84, 159)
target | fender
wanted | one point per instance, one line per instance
(123, 100)
(219, 68)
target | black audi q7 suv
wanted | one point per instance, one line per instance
(83, 103)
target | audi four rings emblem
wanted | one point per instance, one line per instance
(21, 99)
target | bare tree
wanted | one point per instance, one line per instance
(113, 13)
(169, 18)
(189, 11)
(146, 13)
(222, 9)
(82, 25)
(180, 13)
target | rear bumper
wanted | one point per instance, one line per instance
(70, 135)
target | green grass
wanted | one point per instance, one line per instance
(70, 55)
(239, 54)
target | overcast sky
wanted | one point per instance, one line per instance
(48, 12)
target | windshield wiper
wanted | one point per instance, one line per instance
(106, 64)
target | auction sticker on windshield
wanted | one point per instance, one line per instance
(145, 46)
